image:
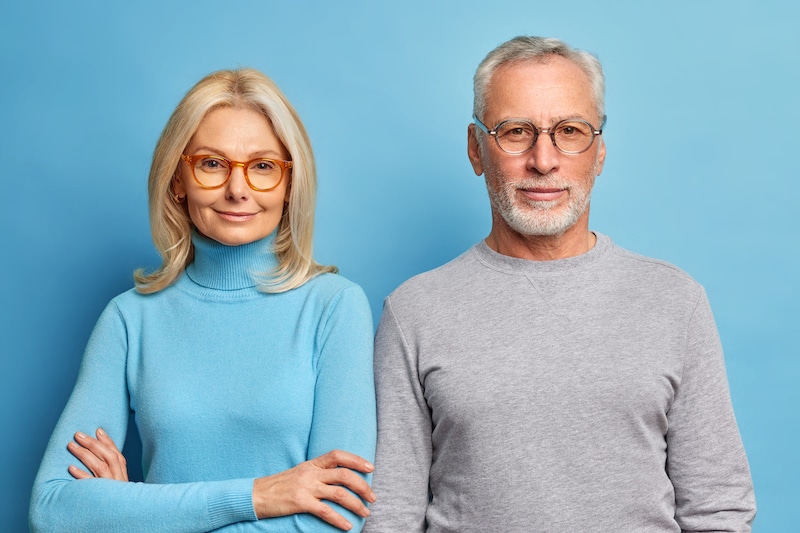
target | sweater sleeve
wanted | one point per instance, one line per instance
(100, 399)
(705, 456)
(344, 397)
(404, 452)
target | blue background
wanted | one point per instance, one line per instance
(702, 137)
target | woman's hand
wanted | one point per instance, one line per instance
(301, 489)
(101, 456)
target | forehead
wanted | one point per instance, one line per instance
(228, 120)
(542, 90)
(237, 132)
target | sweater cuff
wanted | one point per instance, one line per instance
(232, 503)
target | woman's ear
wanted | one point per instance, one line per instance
(178, 189)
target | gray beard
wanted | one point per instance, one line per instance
(537, 218)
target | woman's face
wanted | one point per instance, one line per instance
(234, 214)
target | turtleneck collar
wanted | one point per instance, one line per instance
(228, 268)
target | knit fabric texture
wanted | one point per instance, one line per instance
(226, 384)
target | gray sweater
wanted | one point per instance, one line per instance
(578, 395)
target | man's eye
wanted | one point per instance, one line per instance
(516, 131)
(574, 129)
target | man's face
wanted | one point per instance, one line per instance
(541, 191)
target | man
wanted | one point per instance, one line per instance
(547, 380)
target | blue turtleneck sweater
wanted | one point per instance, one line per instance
(226, 384)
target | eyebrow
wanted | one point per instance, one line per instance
(268, 153)
(553, 122)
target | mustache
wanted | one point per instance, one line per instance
(551, 180)
(547, 181)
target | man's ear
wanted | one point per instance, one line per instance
(473, 150)
(601, 157)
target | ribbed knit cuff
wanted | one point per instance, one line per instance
(231, 502)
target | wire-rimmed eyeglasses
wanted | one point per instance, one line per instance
(212, 171)
(518, 135)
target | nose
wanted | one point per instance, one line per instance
(237, 187)
(543, 156)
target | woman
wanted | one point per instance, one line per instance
(247, 366)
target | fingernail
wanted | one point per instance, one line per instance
(100, 432)
(369, 466)
(80, 435)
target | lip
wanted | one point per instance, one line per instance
(236, 216)
(542, 194)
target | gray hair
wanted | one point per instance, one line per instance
(524, 48)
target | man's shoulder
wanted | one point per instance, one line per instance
(651, 269)
(640, 279)
(442, 279)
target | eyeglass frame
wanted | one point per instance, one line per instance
(551, 132)
(190, 160)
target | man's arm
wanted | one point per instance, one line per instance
(705, 456)
(403, 457)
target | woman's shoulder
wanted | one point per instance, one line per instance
(339, 303)
(132, 302)
(133, 296)
(331, 286)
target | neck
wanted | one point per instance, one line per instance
(576, 240)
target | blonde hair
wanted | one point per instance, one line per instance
(170, 224)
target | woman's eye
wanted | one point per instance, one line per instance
(264, 165)
(212, 164)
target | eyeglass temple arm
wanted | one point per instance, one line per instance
(481, 125)
(599, 130)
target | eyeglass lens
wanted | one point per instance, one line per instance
(214, 171)
(572, 136)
